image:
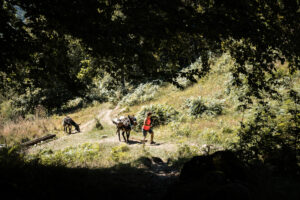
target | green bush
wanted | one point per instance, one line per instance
(96, 95)
(187, 151)
(144, 92)
(11, 157)
(7, 111)
(199, 106)
(120, 153)
(98, 124)
(161, 114)
(70, 156)
(218, 138)
(73, 104)
(180, 130)
(215, 107)
(196, 107)
(271, 133)
(184, 82)
(105, 89)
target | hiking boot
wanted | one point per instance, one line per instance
(152, 142)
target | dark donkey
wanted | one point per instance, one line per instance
(124, 124)
(68, 122)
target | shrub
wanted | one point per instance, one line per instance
(98, 124)
(162, 114)
(180, 130)
(185, 79)
(72, 156)
(187, 151)
(120, 153)
(199, 106)
(7, 111)
(11, 157)
(184, 82)
(96, 95)
(144, 92)
(271, 134)
(215, 107)
(196, 107)
(72, 105)
(222, 138)
(105, 89)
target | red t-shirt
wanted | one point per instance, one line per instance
(147, 126)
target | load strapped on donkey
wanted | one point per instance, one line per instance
(125, 125)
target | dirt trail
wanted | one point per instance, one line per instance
(78, 138)
(105, 116)
(161, 170)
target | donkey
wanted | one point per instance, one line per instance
(68, 122)
(125, 124)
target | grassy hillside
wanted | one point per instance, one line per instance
(200, 119)
(204, 116)
(182, 137)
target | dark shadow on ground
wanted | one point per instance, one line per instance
(202, 177)
(120, 182)
(22, 180)
(134, 142)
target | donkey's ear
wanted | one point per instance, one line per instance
(79, 124)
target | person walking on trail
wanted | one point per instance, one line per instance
(147, 128)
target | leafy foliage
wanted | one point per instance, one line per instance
(69, 156)
(271, 134)
(11, 157)
(161, 114)
(144, 92)
(129, 46)
(119, 153)
(199, 106)
(98, 125)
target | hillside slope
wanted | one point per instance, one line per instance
(182, 137)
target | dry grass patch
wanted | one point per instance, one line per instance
(24, 130)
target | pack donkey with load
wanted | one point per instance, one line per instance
(68, 122)
(125, 125)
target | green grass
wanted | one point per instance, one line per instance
(101, 147)
(186, 130)
(98, 159)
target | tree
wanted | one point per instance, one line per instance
(134, 39)
(38, 65)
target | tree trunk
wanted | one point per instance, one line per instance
(33, 142)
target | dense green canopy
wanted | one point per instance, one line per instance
(135, 40)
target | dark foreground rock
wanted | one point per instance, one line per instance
(223, 176)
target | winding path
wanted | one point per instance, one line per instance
(105, 116)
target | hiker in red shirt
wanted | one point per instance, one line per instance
(147, 128)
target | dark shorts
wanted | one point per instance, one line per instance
(145, 132)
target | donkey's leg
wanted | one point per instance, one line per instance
(128, 135)
(124, 135)
(118, 132)
(70, 129)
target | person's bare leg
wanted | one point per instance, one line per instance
(152, 136)
(144, 140)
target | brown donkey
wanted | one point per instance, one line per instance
(68, 122)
